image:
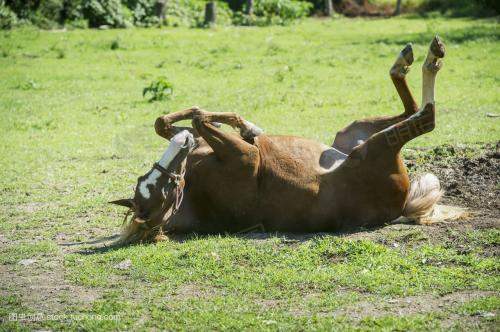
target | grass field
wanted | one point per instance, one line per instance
(76, 132)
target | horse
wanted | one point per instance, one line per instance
(235, 182)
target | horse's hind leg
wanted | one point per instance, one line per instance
(386, 144)
(227, 146)
(376, 172)
(398, 74)
(359, 131)
(430, 68)
(389, 141)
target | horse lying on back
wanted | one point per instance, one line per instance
(237, 182)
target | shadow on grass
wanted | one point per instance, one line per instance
(457, 36)
(106, 243)
(287, 237)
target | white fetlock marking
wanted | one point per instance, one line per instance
(428, 79)
(256, 131)
(173, 149)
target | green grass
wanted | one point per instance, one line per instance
(76, 132)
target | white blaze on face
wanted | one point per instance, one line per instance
(173, 149)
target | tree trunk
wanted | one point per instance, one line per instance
(160, 8)
(249, 8)
(328, 7)
(210, 13)
(397, 11)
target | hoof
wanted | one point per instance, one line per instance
(437, 47)
(402, 65)
(407, 54)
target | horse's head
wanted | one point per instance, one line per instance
(158, 192)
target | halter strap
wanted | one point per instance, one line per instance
(178, 183)
(174, 177)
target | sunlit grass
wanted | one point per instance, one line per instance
(75, 133)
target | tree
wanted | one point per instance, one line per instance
(210, 13)
(249, 7)
(397, 11)
(328, 7)
(160, 7)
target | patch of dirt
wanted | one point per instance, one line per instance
(41, 286)
(376, 307)
(32, 207)
(411, 305)
(190, 290)
(470, 178)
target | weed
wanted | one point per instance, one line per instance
(159, 89)
(29, 84)
(115, 44)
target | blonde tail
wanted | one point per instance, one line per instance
(422, 207)
(425, 192)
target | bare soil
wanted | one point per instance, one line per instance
(470, 178)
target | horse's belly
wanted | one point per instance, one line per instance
(282, 195)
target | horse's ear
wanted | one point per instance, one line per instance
(126, 202)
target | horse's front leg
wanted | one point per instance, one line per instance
(247, 129)
(164, 124)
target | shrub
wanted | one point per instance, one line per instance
(143, 12)
(8, 18)
(159, 89)
(191, 13)
(77, 24)
(268, 12)
(22, 8)
(462, 7)
(72, 11)
(106, 12)
(48, 14)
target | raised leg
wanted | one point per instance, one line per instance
(398, 75)
(388, 142)
(247, 129)
(227, 146)
(164, 124)
(359, 131)
(430, 68)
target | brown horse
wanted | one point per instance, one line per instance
(236, 182)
